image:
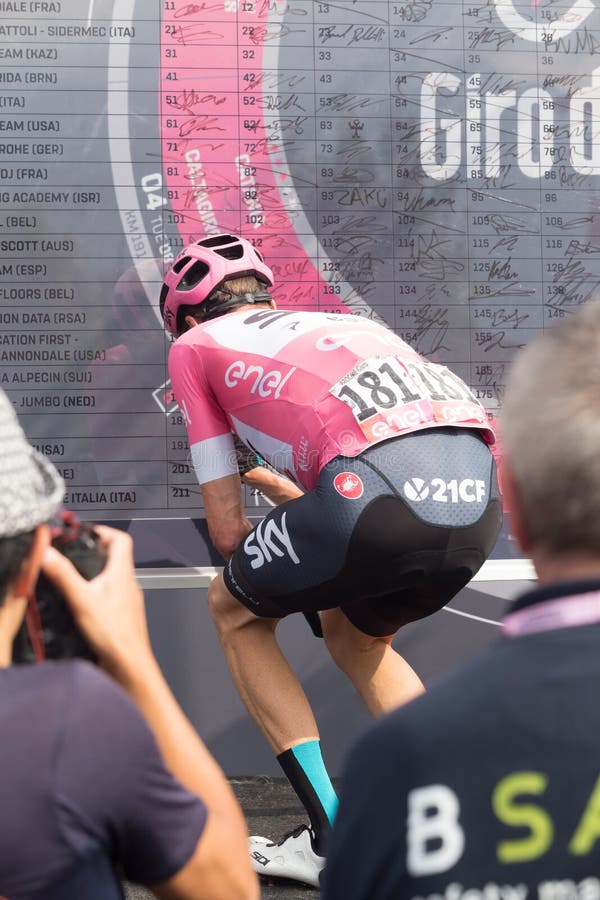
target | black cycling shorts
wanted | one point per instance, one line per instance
(389, 536)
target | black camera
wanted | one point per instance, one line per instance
(49, 630)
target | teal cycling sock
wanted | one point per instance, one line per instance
(306, 772)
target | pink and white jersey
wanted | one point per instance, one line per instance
(301, 388)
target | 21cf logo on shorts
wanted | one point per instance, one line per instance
(416, 490)
(469, 490)
(349, 485)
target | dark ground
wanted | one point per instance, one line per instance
(271, 809)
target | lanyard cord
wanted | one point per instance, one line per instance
(564, 612)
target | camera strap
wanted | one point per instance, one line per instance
(33, 624)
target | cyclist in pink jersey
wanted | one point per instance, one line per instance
(392, 503)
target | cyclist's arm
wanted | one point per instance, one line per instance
(275, 487)
(259, 477)
(214, 454)
(225, 516)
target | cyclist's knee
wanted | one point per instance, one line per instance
(222, 605)
(227, 612)
(345, 642)
(338, 636)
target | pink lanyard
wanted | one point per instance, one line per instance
(564, 612)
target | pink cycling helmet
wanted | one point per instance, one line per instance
(201, 268)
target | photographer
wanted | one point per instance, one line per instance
(93, 778)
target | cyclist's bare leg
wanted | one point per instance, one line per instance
(381, 676)
(265, 682)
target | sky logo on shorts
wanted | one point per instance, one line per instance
(268, 540)
(349, 485)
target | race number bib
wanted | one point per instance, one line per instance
(388, 396)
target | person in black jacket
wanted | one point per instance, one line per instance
(489, 785)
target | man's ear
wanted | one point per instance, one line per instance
(510, 496)
(25, 579)
(190, 321)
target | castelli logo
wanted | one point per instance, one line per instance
(349, 485)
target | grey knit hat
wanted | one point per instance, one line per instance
(31, 490)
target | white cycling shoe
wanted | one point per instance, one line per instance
(292, 857)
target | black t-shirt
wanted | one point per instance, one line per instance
(83, 787)
(487, 787)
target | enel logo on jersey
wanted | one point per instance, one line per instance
(264, 383)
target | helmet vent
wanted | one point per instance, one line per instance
(234, 252)
(163, 296)
(218, 241)
(178, 266)
(193, 276)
